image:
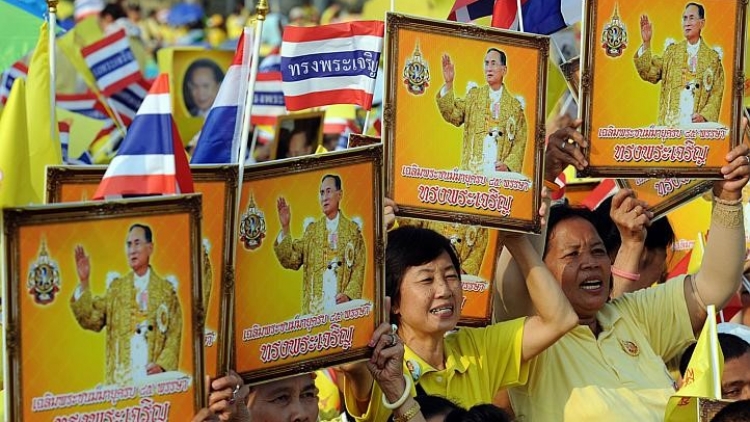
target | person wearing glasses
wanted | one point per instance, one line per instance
(690, 72)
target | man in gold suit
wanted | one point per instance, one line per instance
(690, 72)
(489, 110)
(332, 251)
(140, 306)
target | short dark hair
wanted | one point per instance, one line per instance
(146, 231)
(336, 180)
(479, 413)
(738, 411)
(503, 59)
(701, 9)
(562, 212)
(410, 246)
(659, 235)
(732, 347)
(433, 406)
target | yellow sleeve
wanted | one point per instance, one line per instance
(662, 314)
(90, 311)
(502, 350)
(649, 66)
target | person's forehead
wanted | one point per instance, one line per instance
(691, 10)
(492, 55)
(300, 382)
(573, 229)
(137, 233)
(328, 182)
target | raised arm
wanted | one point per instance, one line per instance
(631, 217)
(719, 276)
(555, 316)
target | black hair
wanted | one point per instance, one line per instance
(732, 347)
(432, 406)
(738, 411)
(701, 9)
(336, 179)
(115, 10)
(410, 246)
(479, 413)
(562, 212)
(147, 234)
(503, 59)
(659, 235)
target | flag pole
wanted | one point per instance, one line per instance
(367, 121)
(253, 144)
(519, 15)
(713, 340)
(52, 19)
(260, 9)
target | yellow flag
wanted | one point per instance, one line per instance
(15, 186)
(702, 373)
(44, 139)
(696, 256)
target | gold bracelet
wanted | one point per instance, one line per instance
(410, 413)
(727, 215)
(737, 201)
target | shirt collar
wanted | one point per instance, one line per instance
(453, 362)
(333, 225)
(496, 95)
(141, 282)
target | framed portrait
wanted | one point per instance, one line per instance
(359, 140)
(218, 185)
(297, 134)
(309, 264)
(195, 76)
(477, 249)
(112, 289)
(664, 195)
(571, 70)
(661, 87)
(465, 145)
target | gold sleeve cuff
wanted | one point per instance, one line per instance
(727, 215)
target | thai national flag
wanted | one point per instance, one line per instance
(470, 10)
(151, 159)
(127, 101)
(331, 64)
(112, 62)
(17, 70)
(539, 16)
(86, 104)
(64, 129)
(218, 142)
(268, 99)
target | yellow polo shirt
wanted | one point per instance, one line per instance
(478, 362)
(619, 376)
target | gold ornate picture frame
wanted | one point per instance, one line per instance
(662, 110)
(309, 123)
(664, 195)
(359, 140)
(308, 297)
(89, 330)
(218, 185)
(451, 157)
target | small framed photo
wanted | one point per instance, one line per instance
(662, 87)
(465, 132)
(112, 290)
(359, 140)
(218, 185)
(477, 249)
(309, 266)
(664, 195)
(297, 135)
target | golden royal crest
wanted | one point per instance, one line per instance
(44, 278)
(252, 226)
(614, 36)
(416, 73)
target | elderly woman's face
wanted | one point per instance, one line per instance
(430, 297)
(577, 258)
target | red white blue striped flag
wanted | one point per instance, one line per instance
(471, 10)
(17, 70)
(112, 62)
(151, 159)
(218, 142)
(331, 64)
(86, 104)
(127, 101)
(268, 99)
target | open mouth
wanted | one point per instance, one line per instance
(591, 285)
(442, 310)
